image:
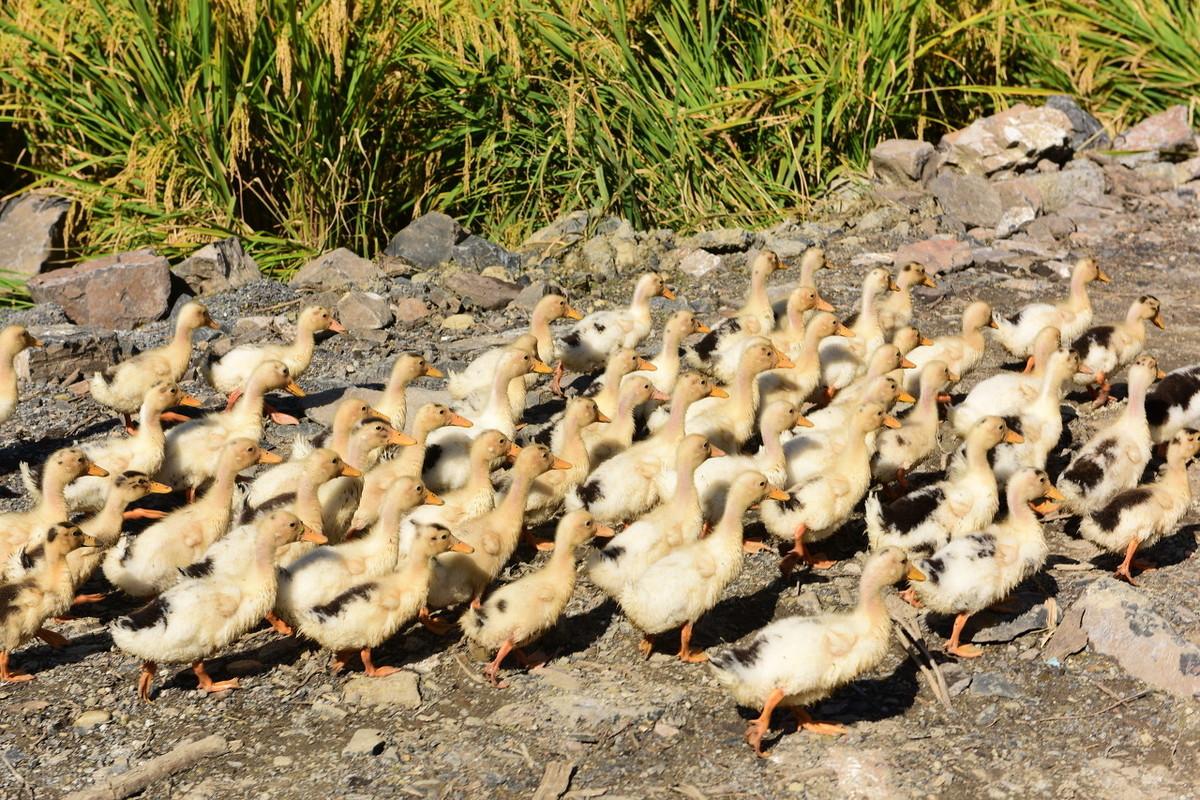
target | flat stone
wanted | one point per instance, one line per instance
(427, 241)
(872, 260)
(1043, 249)
(1008, 627)
(1054, 226)
(400, 689)
(990, 684)
(31, 227)
(1013, 220)
(364, 311)
(1086, 131)
(721, 240)
(1081, 181)
(699, 263)
(480, 290)
(68, 349)
(1165, 132)
(217, 267)
(90, 719)
(338, 269)
(592, 712)
(937, 255)
(410, 309)
(787, 247)
(248, 330)
(1017, 137)
(559, 235)
(529, 296)
(120, 291)
(900, 161)
(458, 322)
(365, 741)
(968, 198)
(1159, 176)
(997, 258)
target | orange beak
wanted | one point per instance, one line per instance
(460, 421)
(513, 452)
(572, 313)
(661, 397)
(350, 472)
(702, 328)
(540, 366)
(1102, 276)
(1084, 369)
(433, 372)
(823, 305)
(402, 439)
(1158, 322)
(159, 488)
(891, 422)
(560, 464)
(336, 326)
(432, 499)
(605, 532)
(803, 422)
(930, 282)
(892, 287)
(212, 323)
(293, 389)
(668, 293)
(1160, 375)
(460, 546)
(188, 400)
(905, 397)
(915, 574)
(1044, 507)
(716, 452)
(645, 365)
(782, 361)
(267, 457)
(316, 537)
(992, 324)
(717, 391)
(842, 330)
(925, 340)
(1012, 437)
(97, 471)
(904, 362)
(600, 417)
(1054, 494)
(775, 493)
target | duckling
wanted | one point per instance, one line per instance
(840, 357)
(1071, 316)
(44, 591)
(317, 469)
(1006, 393)
(550, 489)
(799, 661)
(476, 397)
(678, 521)
(1105, 349)
(898, 451)
(714, 476)
(371, 611)
(591, 339)
(518, 613)
(663, 370)
(818, 505)
(980, 569)
(494, 536)
(606, 389)
(812, 261)
(882, 389)
(606, 439)
(1174, 404)
(896, 309)
(13, 339)
(922, 521)
(797, 384)
(18, 528)
(230, 372)
(341, 497)
(478, 496)
(198, 616)
(718, 353)
(122, 387)
(192, 449)
(1143, 515)
(802, 303)
(149, 562)
(758, 305)
(688, 581)
(393, 405)
(1114, 458)
(961, 353)
(626, 485)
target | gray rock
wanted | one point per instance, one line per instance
(90, 719)
(339, 269)
(364, 311)
(365, 741)
(1020, 136)
(699, 263)
(400, 689)
(120, 291)
(1034, 618)
(968, 198)
(1013, 220)
(217, 267)
(531, 294)
(477, 253)
(1158, 176)
(1086, 131)
(937, 255)
(68, 349)
(1186, 171)
(1167, 132)
(900, 161)
(721, 240)
(31, 227)
(787, 246)
(997, 258)
(595, 712)
(480, 290)
(1050, 226)
(598, 255)
(1043, 249)
(427, 241)
(559, 235)
(990, 684)
(410, 309)
(1081, 181)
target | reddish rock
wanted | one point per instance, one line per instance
(480, 290)
(120, 291)
(937, 255)
(410, 309)
(1165, 132)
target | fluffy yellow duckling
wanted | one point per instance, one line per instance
(13, 340)
(478, 496)
(1105, 349)
(605, 439)
(18, 528)
(475, 382)
(811, 262)
(606, 389)
(896, 309)
(393, 405)
(1006, 393)
(796, 385)
(961, 353)
(899, 450)
(841, 358)
(1071, 316)
(518, 613)
(550, 489)
(714, 477)
(802, 303)
(663, 370)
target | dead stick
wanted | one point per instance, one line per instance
(135, 780)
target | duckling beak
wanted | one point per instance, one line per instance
(212, 323)
(35, 342)
(560, 464)
(904, 362)
(891, 422)
(460, 421)
(294, 389)
(1084, 369)
(823, 305)
(842, 330)
(572, 313)
(1045, 507)
(1158, 322)
(929, 281)
(433, 372)
(702, 328)
(336, 326)
(350, 472)
(893, 286)
(715, 452)
(1159, 375)
(1012, 437)
(992, 324)
(604, 532)
(400, 438)
(953, 377)
(915, 574)
(925, 341)
(1102, 276)
(668, 293)
(432, 499)
(782, 361)
(803, 422)
(645, 365)
(905, 397)
(159, 488)
(601, 417)
(376, 413)
(97, 471)
(459, 546)
(540, 366)
(717, 391)
(89, 541)
(1054, 494)
(775, 493)
(661, 397)
(190, 401)
(514, 450)
(267, 457)
(316, 537)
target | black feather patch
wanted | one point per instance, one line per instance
(589, 493)
(612, 553)
(277, 502)
(1174, 391)
(433, 454)
(1087, 472)
(754, 443)
(572, 339)
(335, 606)
(8, 594)
(544, 435)
(201, 569)
(1099, 336)
(851, 320)
(983, 545)
(501, 605)
(1108, 517)
(705, 347)
(599, 326)
(748, 656)
(1015, 319)
(147, 616)
(906, 513)
(933, 568)
(27, 559)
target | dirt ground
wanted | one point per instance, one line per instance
(659, 728)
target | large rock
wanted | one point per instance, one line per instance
(936, 255)
(31, 232)
(120, 291)
(1017, 137)
(970, 199)
(427, 241)
(698, 263)
(340, 269)
(480, 290)
(1086, 131)
(721, 240)
(218, 267)
(1165, 132)
(68, 350)
(558, 235)
(364, 311)
(477, 253)
(900, 161)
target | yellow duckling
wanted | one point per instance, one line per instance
(13, 339)
(896, 309)
(1006, 393)
(18, 528)
(548, 492)
(393, 405)
(899, 450)
(797, 384)
(663, 370)
(961, 353)
(802, 302)
(606, 389)
(1071, 316)
(841, 359)
(605, 439)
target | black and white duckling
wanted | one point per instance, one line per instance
(923, 520)
(899, 450)
(980, 569)
(961, 353)
(18, 528)
(626, 485)
(549, 491)
(1071, 316)
(797, 383)
(149, 562)
(666, 365)
(896, 309)
(676, 590)
(678, 521)
(822, 502)
(318, 468)
(1006, 393)
(842, 359)
(1175, 403)
(1106, 349)
(44, 590)
(606, 439)
(393, 403)
(799, 661)
(517, 614)
(1114, 458)
(714, 477)
(1141, 516)
(370, 611)
(717, 352)
(13, 340)
(201, 614)
(587, 345)
(122, 387)
(478, 496)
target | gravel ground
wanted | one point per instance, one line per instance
(1018, 727)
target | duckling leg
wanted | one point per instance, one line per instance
(758, 729)
(1101, 390)
(556, 384)
(646, 645)
(279, 417)
(191, 494)
(800, 553)
(7, 676)
(902, 478)
(536, 542)
(805, 721)
(278, 624)
(130, 425)
(143, 513)
(233, 398)
(748, 545)
(431, 624)
(492, 670)
(55, 640)
(370, 668)
(954, 647)
(208, 684)
(340, 659)
(686, 653)
(1029, 364)
(1123, 572)
(146, 680)
(83, 599)
(909, 596)
(173, 416)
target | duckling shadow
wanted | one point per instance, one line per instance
(1029, 595)
(265, 655)
(576, 634)
(736, 617)
(37, 450)
(1167, 552)
(76, 650)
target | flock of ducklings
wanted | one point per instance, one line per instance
(367, 529)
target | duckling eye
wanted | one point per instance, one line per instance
(762, 484)
(420, 488)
